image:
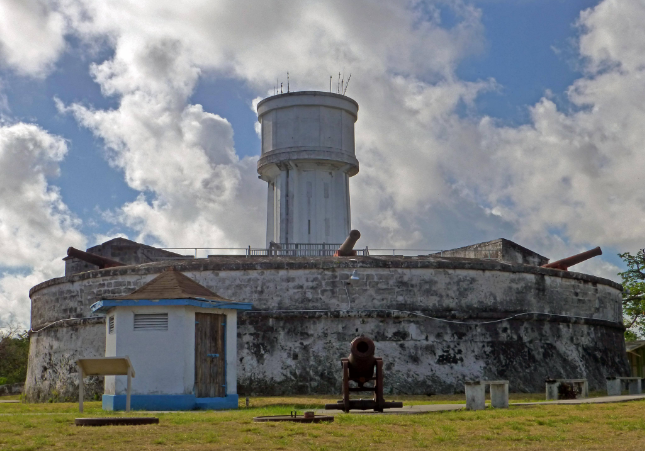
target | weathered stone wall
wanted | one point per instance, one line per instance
(421, 354)
(281, 354)
(52, 373)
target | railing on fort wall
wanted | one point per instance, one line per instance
(302, 250)
(295, 250)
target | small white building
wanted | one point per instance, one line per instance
(182, 341)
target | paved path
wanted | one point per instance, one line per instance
(599, 400)
(405, 410)
(423, 408)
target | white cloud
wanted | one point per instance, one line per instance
(31, 36)
(579, 172)
(34, 221)
(198, 191)
(431, 175)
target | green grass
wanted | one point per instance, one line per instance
(562, 427)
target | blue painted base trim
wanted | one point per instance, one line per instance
(169, 402)
(227, 402)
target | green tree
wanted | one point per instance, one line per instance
(14, 354)
(634, 294)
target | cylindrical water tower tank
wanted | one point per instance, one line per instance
(307, 158)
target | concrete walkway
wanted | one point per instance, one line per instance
(405, 410)
(599, 400)
(424, 408)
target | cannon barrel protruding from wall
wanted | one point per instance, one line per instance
(347, 248)
(101, 262)
(565, 263)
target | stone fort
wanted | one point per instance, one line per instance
(486, 311)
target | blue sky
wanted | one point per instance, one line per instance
(475, 119)
(520, 38)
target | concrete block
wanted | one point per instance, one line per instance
(552, 390)
(614, 386)
(498, 394)
(635, 386)
(475, 395)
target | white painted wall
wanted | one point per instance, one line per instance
(164, 360)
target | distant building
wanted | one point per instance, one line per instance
(501, 250)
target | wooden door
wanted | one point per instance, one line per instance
(210, 355)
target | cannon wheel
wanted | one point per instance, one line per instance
(378, 386)
(345, 363)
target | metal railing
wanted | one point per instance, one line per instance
(303, 250)
(315, 250)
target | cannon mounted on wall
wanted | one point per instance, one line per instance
(347, 248)
(361, 367)
(93, 259)
(564, 264)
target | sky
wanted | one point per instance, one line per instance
(480, 119)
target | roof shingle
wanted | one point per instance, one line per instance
(172, 284)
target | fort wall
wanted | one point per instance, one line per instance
(435, 321)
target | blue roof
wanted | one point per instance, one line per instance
(105, 305)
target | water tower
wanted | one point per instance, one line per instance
(307, 158)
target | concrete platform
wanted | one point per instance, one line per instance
(405, 410)
(425, 408)
(599, 400)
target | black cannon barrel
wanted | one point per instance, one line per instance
(347, 248)
(565, 263)
(361, 359)
(101, 262)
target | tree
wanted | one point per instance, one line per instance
(634, 294)
(14, 354)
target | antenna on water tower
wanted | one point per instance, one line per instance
(287, 81)
(280, 88)
(347, 84)
(330, 83)
(338, 84)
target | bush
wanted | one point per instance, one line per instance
(14, 354)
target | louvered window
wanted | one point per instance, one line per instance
(153, 321)
(111, 325)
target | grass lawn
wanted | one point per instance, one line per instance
(600, 427)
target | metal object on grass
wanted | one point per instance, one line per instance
(308, 417)
(360, 367)
(116, 421)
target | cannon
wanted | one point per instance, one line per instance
(93, 259)
(347, 248)
(573, 260)
(361, 367)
